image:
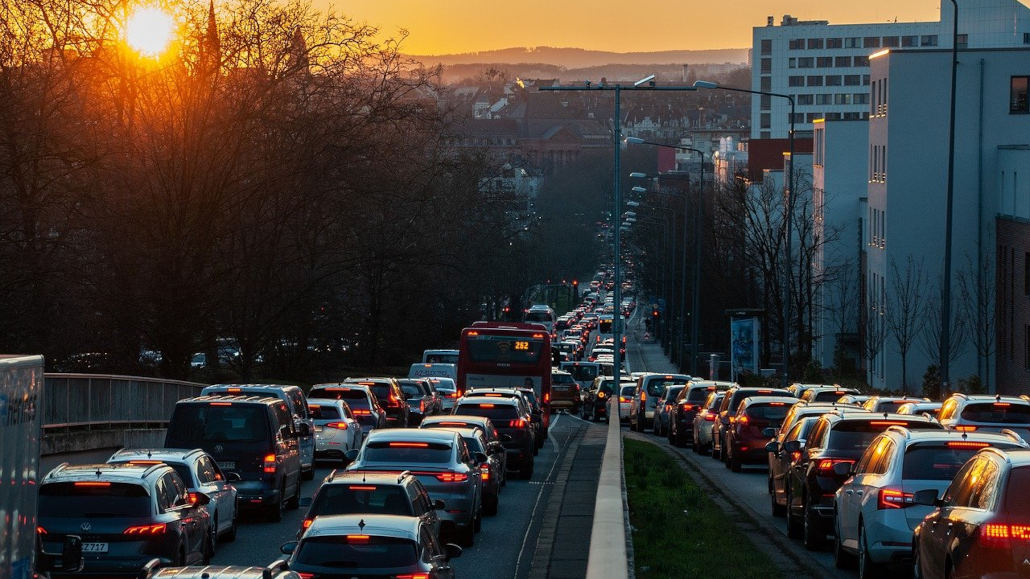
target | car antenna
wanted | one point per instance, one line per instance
(965, 435)
(98, 473)
(361, 524)
(150, 454)
(362, 476)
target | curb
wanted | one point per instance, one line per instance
(608, 535)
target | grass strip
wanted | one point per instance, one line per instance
(677, 530)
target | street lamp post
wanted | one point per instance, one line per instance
(695, 308)
(788, 215)
(945, 351)
(647, 83)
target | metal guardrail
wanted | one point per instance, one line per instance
(89, 401)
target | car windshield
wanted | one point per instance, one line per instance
(997, 413)
(324, 412)
(343, 499)
(367, 552)
(939, 461)
(474, 444)
(66, 499)
(195, 424)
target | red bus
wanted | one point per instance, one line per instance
(506, 355)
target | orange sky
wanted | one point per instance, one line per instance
(448, 26)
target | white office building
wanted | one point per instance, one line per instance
(825, 68)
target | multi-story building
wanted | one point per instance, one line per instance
(825, 67)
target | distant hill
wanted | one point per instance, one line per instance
(580, 58)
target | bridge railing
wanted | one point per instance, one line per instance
(106, 401)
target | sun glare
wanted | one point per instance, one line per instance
(149, 31)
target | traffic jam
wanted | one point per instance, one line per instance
(419, 462)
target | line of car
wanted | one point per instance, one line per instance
(894, 485)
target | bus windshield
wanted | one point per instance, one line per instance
(504, 349)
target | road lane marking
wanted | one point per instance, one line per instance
(536, 504)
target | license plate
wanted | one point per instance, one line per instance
(227, 465)
(318, 429)
(94, 547)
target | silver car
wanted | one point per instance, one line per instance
(337, 430)
(447, 390)
(199, 472)
(704, 422)
(443, 464)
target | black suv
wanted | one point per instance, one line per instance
(836, 441)
(252, 436)
(352, 492)
(728, 410)
(390, 396)
(126, 514)
(510, 418)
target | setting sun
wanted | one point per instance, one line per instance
(149, 31)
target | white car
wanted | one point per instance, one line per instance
(447, 390)
(626, 394)
(199, 471)
(336, 429)
(874, 510)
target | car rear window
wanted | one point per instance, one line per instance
(1017, 500)
(697, 395)
(671, 393)
(351, 395)
(888, 405)
(407, 451)
(997, 413)
(561, 380)
(656, 387)
(775, 412)
(855, 435)
(498, 413)
(324, 412)
(582, 372)
(195, 424)
(628, 391)
(940, 461)
(742, 394)
(828, 396)
(343, 499)
(365, 552)
(411, 389)
(66, 499)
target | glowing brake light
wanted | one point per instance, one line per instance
(547, 397)
(600, 394)
(709, 417)
(414, 576)
(1002, 404)
(623, 398)
(887, 423)
(409, 445)
(777, 404)
(306, 523)
(825, 466)
(893, 499)
(221, 403)
(234, 390)
(138, 530)
(1002, 534)
(90, 483)
(358, 538)
(337, 425)
(965, 428)
(484, 472)
(360, 412)
(517, 423)
(967, 444)
(487, 405)
(452, 477)
(144, 462)
(268, 464)
(361, 487)
(493, 395)
(743, 419)
(643, 396)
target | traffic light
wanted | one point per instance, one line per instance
(575, 289)
(656, 314)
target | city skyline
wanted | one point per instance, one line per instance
(459, 26)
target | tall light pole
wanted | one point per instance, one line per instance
(945, 351)
(695, 308)
(788, 218)
(646, 83)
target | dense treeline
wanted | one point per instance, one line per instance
(277, 181)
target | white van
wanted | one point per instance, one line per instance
(440, 356)
(431, 370)
(541, 314)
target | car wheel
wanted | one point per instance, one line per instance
(467, 535)
(276, 511)
(866, 567)
(209, 547)
(233, 528)
(490, 506)
(917, 566)
(778, 510)
(734, 463)
(793, 524)
(812, 538)
(841, 558)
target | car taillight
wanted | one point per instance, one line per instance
(623, 399)
(193, 498)
(414, 576)
(965, 428)
(600, 394)
(337, 425)
(709, 416)
(361, 412)
(484, 471)
(643, 396)
(825, 466)
(742, 419)
(668, 407)
(686, 407)
(151, 530)
(268, 464)
(517, 423)
(306, 523)
(452, 477)
(1003, 534)
(40, 530)
(422, 405)
(893, 499)
(306, 575)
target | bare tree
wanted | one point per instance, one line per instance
(874, 332)
(933, 329)
(978, 290)
(841, 305)
(904, 307)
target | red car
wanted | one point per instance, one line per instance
(746, 436)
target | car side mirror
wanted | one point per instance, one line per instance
(351, 454)
(842, 468)
(480, 458)
(439, 505)
(770, 432)
(198, 498)
(451, 551)
(926, 497)
(71, 554)
(773, 447)
(288, 548)
(792, 446)
(233, 476)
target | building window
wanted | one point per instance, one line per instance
(806, 99)
(834, 43)
(842, 99)
(766, 65)
(792, 63)
(909, 41)
(852, 80)
(928, 40)
(824, 99)
(962, 41)
(796, 81)
(765, 83)
(832, 116)
(871, 42)
(853, 116)
(860, 98)
(1026, 38)
(766, 121)
(842, 61)
(853, 42)
(806, 62)
(811, 117)
(816, 80)
(765, 135)
(865, 80)
(833, 80)
(824, 61)
(796, 44)
(815, 43)
(766, 102)
(766, 46)
(890, 41)
(1017, 95)
(861, 61)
